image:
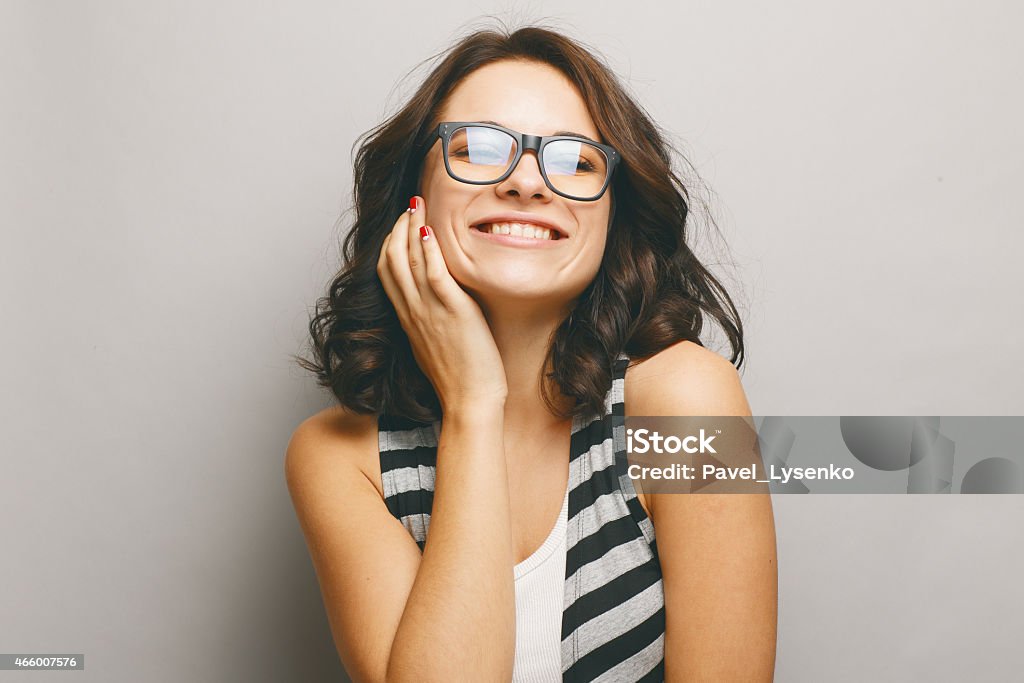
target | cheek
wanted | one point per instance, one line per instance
(433, 186)
(597, 229)
(596, 250)
(444, 196)
(596, 255)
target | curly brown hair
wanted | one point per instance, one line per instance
(650, 292)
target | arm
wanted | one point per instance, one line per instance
(394, 615)
(459, 621)
(717, 551)
(450, 613)
(365, 560)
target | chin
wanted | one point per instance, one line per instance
(511, 290)
(529, 289)
(538, 293)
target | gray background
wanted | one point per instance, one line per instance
(170, 179)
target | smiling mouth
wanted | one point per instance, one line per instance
(525, 230)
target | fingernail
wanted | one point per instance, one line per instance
(414, 203)
(424, 234)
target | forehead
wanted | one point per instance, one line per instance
(529, 97)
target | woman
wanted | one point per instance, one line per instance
(528, 274)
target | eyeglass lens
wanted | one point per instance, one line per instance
(480, 154)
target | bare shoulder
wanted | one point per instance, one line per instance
(682, 379)
(717, 551)
(685, 379)
(334, 440)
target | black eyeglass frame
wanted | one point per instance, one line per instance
(524, 142)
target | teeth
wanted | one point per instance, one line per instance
(518, 230)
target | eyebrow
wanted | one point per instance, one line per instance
(557, 132)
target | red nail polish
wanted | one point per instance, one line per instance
(413, 204)
(423, 232)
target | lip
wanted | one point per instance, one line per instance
(515, 217)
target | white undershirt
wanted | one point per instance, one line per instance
(539, 585)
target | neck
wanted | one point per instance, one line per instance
(523, 335)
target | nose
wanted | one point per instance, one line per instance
(526, 179)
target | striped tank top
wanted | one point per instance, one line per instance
(613, 610)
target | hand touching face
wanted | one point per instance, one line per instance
(447, 331)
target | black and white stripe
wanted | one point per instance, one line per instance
(613, 617)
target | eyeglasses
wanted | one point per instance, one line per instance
(484, 154)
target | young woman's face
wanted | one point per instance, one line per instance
(534, 99)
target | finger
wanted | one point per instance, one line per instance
(417, 219)
(398, 261)
(439, 279)
(387, 280)
(383, 256)
(417, 259)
